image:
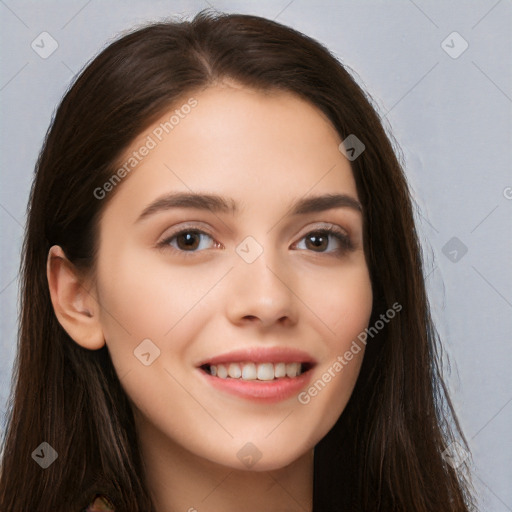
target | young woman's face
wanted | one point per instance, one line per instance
(243, 280)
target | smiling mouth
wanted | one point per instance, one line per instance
(263, 372)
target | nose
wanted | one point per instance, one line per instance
(262, 293)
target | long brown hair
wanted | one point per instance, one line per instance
(386, 450)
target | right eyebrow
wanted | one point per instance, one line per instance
(210, 202)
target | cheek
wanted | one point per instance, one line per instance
(341, 300)
(343, 304)
(144, 298)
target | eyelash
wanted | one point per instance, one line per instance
(344, 241)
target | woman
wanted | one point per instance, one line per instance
(223, 302)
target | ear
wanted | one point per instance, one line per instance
(75, 307)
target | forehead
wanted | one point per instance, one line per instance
(258, 147)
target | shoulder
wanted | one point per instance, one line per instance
(100, 503)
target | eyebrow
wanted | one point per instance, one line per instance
(219, 204)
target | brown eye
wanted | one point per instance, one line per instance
(320, 239)
(188, 240)
(317, 240)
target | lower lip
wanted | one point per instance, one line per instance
(272, 391)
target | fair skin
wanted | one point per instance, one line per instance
(263, 151)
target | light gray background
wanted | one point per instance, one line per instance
(451, 116)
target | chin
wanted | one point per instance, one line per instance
(260, 462)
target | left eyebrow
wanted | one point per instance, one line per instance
(325, 202)
(216, 203)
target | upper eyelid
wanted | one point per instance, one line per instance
(192, 226)
(186, 228)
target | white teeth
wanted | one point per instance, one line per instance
(279, 370)
(234, 371)
(249, 371)
(252, 371)
(292, 369)
(221, 371)
(266, 371)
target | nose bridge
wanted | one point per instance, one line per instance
(261, 287)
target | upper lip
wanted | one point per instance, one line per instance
(261, 355)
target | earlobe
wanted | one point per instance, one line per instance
(75, 307)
